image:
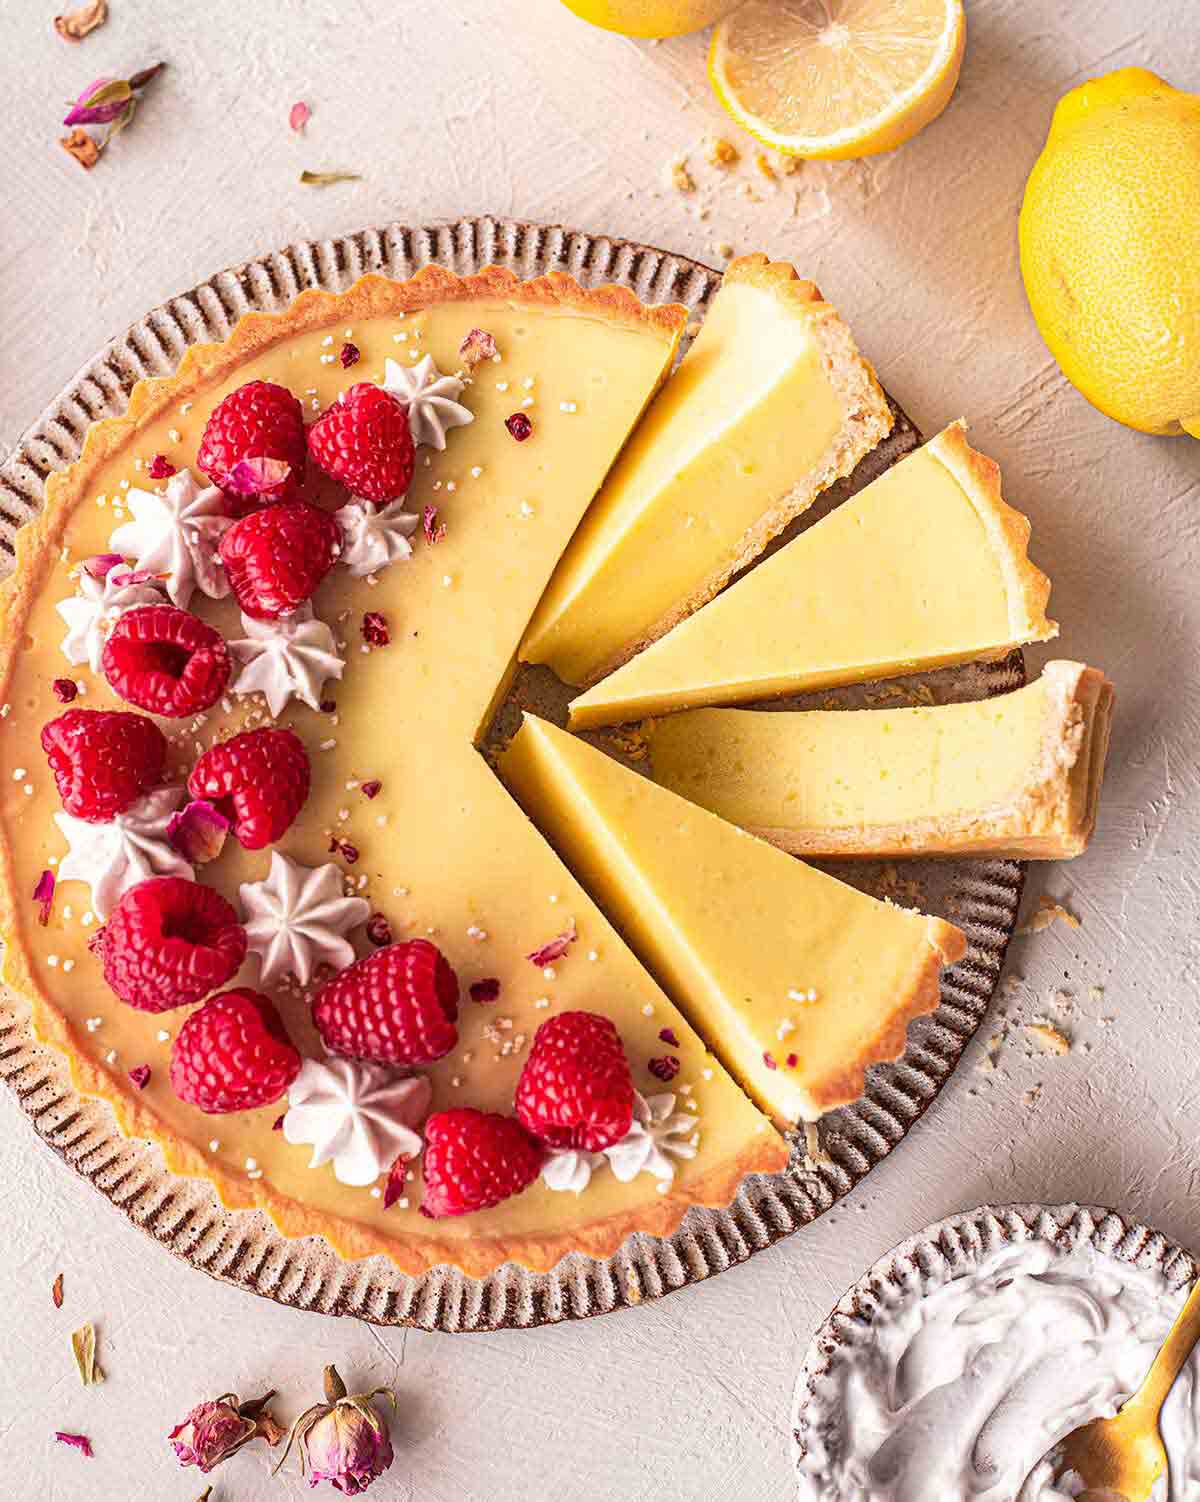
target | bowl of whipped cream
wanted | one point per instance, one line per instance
(955, 1366)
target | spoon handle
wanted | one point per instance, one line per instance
(1172, 1357)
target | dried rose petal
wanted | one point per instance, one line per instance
(324, 179)
(665, 1068)
(56, 1292)
(161, 467)
(668, 1036)
(140, 1075)
(198, 832)
(555, 949)
(328, 706)
(298, 115)
(347, 851)
(519, 426)
(769, 1061)
(396, 1182)
(371, 789)
(484, 991)
(429, 525)
(477, 347)
(74, 25)
(258, 476)
(43, 893)
(65, 689)
(379, 930)
(350, 355)
(81, 146)
(96, 942)
(100, 103)
(76, 1441)
(792, 1060)
(277, 1124)
(101, 564)
(375, 628)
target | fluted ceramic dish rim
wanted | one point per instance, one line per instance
(243, 1247)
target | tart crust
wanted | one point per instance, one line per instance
(37, 546)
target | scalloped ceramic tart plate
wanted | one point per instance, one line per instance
(437, 848)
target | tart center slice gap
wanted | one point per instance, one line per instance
(800, 981)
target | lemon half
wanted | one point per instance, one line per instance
(837, 78)
(651, 18)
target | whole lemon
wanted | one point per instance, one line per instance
(1110, 248)
(651, 18)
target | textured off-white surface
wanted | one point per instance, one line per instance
(515, 107)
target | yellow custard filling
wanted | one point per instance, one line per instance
(443, 850)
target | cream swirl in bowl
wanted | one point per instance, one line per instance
(956, 1386)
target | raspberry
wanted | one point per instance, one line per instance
(575, 1090)
(257, 421)
(396, 1006)
(232, 1054)
(474, 1159)
(259, 780)
(103, 760)
(166, 661)
(169, 942)
(275, 557)
(364, 441)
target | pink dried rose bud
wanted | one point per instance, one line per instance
(344, 1440)
(214, 1431)
(100, 103)
(198, 832)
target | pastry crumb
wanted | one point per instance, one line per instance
(723, 249)
(1048, 1038)
(679, 177)
(764, 165)
(1047, 912)
(719, 152)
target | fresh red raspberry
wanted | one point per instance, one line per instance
(364, 441)
(233, 1054)
(166, 660)
(170, 941)
(103, 760)
(275, 557)
(259, 780)
(475, 1159)
(257, 421)
(396, 1006)
(575, 1089)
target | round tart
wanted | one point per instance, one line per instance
(371, 823)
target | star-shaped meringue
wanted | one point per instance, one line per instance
(431, 399)
(114, 856)
(176, 533)
(372, 539)
(93, 612)
(657, 1134)
(284, 659)
(297, 918)
(359, 1117)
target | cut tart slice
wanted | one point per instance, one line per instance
(387, 676)
(924, 568)
(800, 982)
(1016, 775)
(769, 407)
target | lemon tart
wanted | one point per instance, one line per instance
(924, 568)
(771, 404)
(804, 981)
(1015, 775)
(519, 397)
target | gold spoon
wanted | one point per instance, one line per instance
(1124, 1455)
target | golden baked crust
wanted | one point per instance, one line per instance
(868, 421)
(37, 548)
(1008, 530)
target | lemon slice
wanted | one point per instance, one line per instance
(837, 78)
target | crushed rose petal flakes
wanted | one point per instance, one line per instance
(477, 347)
(56, 1291)
(519, 426)
(371, 788)
(299, 115)
(198, 832)
(665, 1068)
(257, 476)
(76, 1441)
(277, 1124)
(379, 930)
(667, 1036)
(347, 851)
(555, 949)
(484, 991)
(769, 1061)
(375, 629)
(140, 1076)
(433, 530)
(396, 1181)
(161, 468)
(65, 689)
(350, 355)
(43, 895)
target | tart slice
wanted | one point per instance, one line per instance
(770, 406)
(1016, 775)
(800, 981)
(924, 568)
(340, 804)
